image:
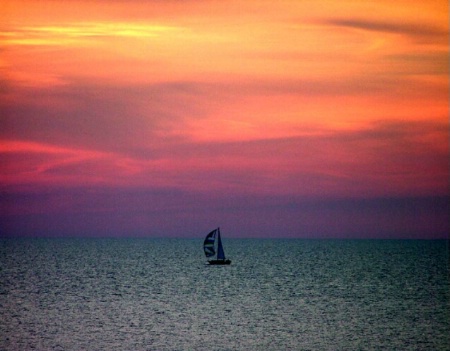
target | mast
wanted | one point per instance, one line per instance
(220, 252)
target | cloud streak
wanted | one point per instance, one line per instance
(84, 33)
(389, 158)
(418, 31)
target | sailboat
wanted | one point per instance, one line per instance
(209, 246)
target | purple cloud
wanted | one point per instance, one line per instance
(417, 31)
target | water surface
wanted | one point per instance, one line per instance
(157, 294)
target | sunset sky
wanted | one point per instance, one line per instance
(268, 118)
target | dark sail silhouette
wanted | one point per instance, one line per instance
(209, 246)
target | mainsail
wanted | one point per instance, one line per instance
(220, 253)
(208, 244)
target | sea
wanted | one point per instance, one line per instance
(278, 294)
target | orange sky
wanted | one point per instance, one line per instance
(314, 98)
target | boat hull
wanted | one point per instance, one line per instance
(219, 262)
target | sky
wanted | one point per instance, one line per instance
(295, 119)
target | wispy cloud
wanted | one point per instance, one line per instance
(388, 158)
(83, 32)
(416, 30)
